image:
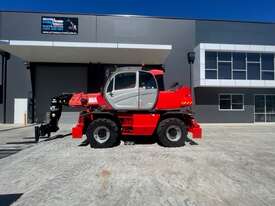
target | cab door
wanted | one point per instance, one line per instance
(122, 91)
(148, 90)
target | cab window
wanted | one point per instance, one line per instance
(147, 81)
(110, 86)
(125, 81)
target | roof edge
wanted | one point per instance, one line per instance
(138, 16)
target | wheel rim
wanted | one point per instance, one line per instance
(173, 133)
(101, 134)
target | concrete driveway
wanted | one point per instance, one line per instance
(232, 165)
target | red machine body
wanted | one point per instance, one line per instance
(175, 99)
(178, 98)
(166, 113)
(136, 123)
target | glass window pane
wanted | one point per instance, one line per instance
(224, 70)
(259, 118)
(270, 117)
(239, 75)
(110, 86)
(237, 106)
(267, 62)
(253, 57)
(210, 60)
(125, 81)
(267, 75)
(225, 104)
(239, 61)
(270, 104)
(237, 99)
(224, 56)
(147, 81)
(253, 71)
(259, 104)
(210, 74)
(225, 96)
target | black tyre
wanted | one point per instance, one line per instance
(37, 133)
(172, 132)
(102, 133)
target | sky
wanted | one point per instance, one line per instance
(239, 10)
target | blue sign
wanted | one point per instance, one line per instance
(59, 25)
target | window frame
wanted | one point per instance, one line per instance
(231, 94)
(245, 70)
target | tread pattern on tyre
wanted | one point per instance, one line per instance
(111, 125)
(161, 132)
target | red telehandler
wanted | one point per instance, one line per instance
(132, 103)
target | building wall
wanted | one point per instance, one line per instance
(235, 33)
(183, 35)
(27, 26)
(207, 105)
(18, 86)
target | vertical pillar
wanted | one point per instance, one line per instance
(5, 58)
(32, 69)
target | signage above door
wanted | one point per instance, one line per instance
(59, 25)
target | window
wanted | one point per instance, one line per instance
(211, 65)
(225, 102)
(224, 56)
(211, 60)
(125, 81)
(231, 102)
(264, 108)
(267, 66)
(253, 57)
(224, 70)
(253, 71)
(147, 81)
(110, 86)
(239, 66)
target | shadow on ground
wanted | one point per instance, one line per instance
(10, 148)
(7, 152)
(132, 140)
(8, 199)
(22, 142)
(60, 136)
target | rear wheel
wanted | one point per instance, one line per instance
(102, 133)
(172, 132)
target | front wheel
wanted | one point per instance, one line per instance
(102, 133)
(172, 132)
